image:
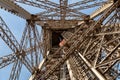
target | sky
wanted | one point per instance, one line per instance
(16, 25)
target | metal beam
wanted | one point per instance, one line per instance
(14, 8)
(56, 24)
(35, 3)
(39, 4)
(90, 5)
(9, 59)
(39, 67)
(80, 3)
(77, 43)
(100, 76)
(11, 41)
(100, 10)
(6, 60)
(16, 69)
(8, 37)
(63, 8)
(49, 3)
(70, 71)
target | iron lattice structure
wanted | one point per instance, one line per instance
(91, 50)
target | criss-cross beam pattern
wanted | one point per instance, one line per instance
(50, 6)
(8, 59)
(11, 41)
(38, 3)
(61, 11)
(32, 40)
(47, 5)
(92, 48)
(78, 44)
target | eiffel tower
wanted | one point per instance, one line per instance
(66, 40)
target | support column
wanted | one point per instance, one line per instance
(101, 77)
(70, 71)
(46, 38)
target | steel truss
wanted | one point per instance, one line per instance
(91, 50)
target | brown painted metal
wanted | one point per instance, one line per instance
(92, 48)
